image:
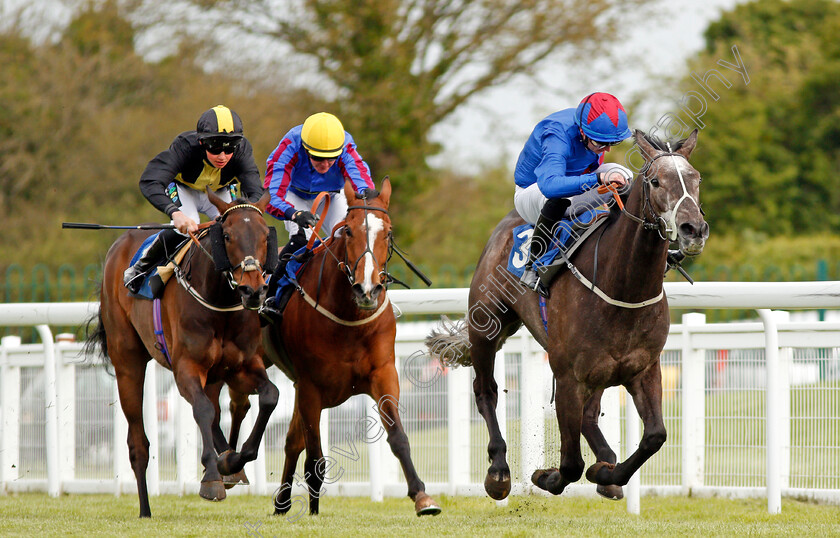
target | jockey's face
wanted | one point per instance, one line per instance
(321, 164)
(220, 160)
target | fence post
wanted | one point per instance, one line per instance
(458, 424)
(51, 401)
(150, 423)
(10, 408)
(774, 411)
(66, 412)
(122, 465)
(374, 447)
(631, 442)
(532, 410)
(186, 445)
(784, 395)
(693, 393)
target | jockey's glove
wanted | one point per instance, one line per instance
(367, 193)
(304, 219)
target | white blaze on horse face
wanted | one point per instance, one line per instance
(681, 168)
(373, 225)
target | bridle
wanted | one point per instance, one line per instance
(220, 258)
(651, 220)
(349, 271)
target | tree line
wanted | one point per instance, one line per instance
(81, 116)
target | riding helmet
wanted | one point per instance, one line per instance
(219, 122)
(602, 118)
(323, 135)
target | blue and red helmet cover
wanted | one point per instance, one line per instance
(602, 118)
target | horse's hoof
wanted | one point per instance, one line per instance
(600, 473)
(213, 490)
(497, 487)
(235, 479)
(611, 492)
(551, 480)
(540, 477)
(223, 462)
(425, 505)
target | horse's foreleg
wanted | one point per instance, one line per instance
(593, 435)
(308, 403)
(190, 385)
(646, 389)
(569, 408)
(130, 378)
(239, 406)
(294, 446)
(219, 442)
(385, 390)
(497, 482)
(233, 462)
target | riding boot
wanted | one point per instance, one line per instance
(541, 240)
(295, 243)
(164, 246)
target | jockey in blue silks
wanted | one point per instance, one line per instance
(564, 158)
(312, 158)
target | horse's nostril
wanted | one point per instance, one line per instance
(688, 229)
(376, 291)
(245, 291)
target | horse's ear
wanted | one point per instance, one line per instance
(349, 193)
(385, 191)
(688, 144)
(220, 204)
(262, 203)
(648, 151)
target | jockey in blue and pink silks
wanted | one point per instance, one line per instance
(563, 159)
(312, 158)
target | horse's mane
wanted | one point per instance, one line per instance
(661, 145)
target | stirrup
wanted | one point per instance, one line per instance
(133, 279)
(531, 280)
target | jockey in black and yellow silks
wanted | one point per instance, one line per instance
(215, 155)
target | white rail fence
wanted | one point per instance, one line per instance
(752, 409)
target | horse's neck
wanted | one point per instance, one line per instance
(209, 282)
(636, 259)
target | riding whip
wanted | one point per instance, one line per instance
(86, 226)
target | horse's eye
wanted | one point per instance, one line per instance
(347, 232)
(654, 182)
(227, 237)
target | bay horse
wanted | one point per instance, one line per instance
(339, 330)
(594, 339)
(211, 331)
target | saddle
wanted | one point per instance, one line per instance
(155, 280)
(569, 235)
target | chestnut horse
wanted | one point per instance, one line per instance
(210, 328)
(609, 331)
(339, 330)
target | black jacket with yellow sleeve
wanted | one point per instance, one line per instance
(185, 162)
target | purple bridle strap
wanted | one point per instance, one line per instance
(158, 323)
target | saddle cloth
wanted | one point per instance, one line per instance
(568, 235)
(156, 279)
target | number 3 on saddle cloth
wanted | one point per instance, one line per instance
(569, 234)
(156, 279)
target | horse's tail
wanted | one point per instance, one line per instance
(450, 344)
(96, 342)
